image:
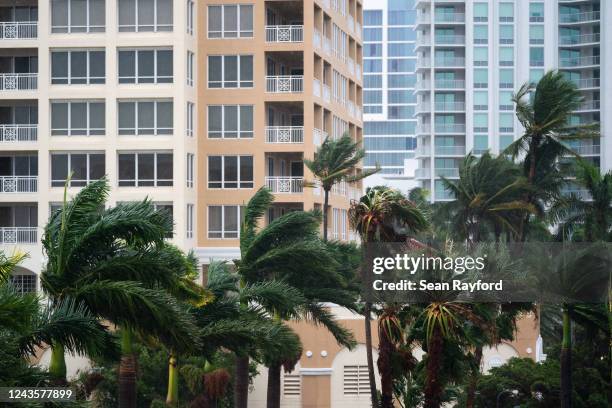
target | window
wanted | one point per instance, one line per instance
(536, 34)
(77, 16)
(190, 222)
(401, 65)
(230, 71)
(372, 50)
(372, 17)
(506, 12)
(190, 169)
(190, 16)
(372, 34)
(190, 60)
(481, 78)
(168, 210)
(506, 122)
(481, 144)
(145, 66)
(536, 56)
(505, 141)
(230, 121)
(145, 169)
(230, 21)
(481, 100)
(536, 12)
(147, 117)
(506, 34)
(82, 168)
(78, 67)
(481, 12)
(399, 49)
(224, 221)
(506, 56)
(145, 15)
(481, 122)
(23, 283)
(535, 75)
(372, 65)
(82, 118)
(505, 101)
(230, 171)
(481, 34)
(506, 78)
(190, 119)
(481, 56)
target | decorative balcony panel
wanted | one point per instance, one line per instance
(18, 133)
(285, 185)
(18, 184)
(285, 84)
(18, 82)
(17, 30)
(284, 134)
(285, 33)
(18, 235)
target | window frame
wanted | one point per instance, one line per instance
(239, 182)
(189, 126)
(70, 28)
(156, 129)
(55, 183)
(137, 179)
(239, 130)
(138, 79)
(239, 81)
(189, 221)
(190, 68)
(239, 31)
(139, 28)
(89, 79)
(190, 161)
(69, 130)
(223, 231)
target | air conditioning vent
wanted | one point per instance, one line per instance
(356, 380)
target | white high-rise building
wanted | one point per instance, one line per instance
(94, 88)
(472, 56)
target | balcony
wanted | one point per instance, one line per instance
(316, 88)
(587, 150)
(18, 81)
(449, 62)
(579, 39)
(450, 39)
(18, 30)
(316, 38)
(18, 235)
(422, 173)
(449, 18)
(18, 133)
(284, 33)
(587, 83)
(449, 106)
(591, 60)
(18, 184)
(444, 195)
(285, 134)
(588, 106)
(449, 128)
(285, 185)
(284, 83)
(326, 93)
(450, 150)
(447, 172)
(573, 18)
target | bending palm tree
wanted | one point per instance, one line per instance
(336, 161)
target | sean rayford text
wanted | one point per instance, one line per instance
(424, 285)
(413, 264)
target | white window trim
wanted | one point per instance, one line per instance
(136, 129)
(223, 232)
(190, 119)
(238, 31)
(70, 78)
(239, 131)
(190, 16)
(189, 221)
(223, 182)
(69, 129)
(136, 179)
(137, 78)
(70, 154)
(136, 26)
(190, 169)
(88, 27)
(190, 68)
(239, 69)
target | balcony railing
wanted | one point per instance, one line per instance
(449, 18)
(587, 150)
(422, 173)
(450, 150)
(447, 172)
(316, 88)
(18, 133)
(450, 39)
(18, 30)
(449, 83)
(450, 61)
(327, 45)
(285, 185)
(586, 83)
(580, 193)
(316, 38)
(326, 93)
(18, 235)
(285, 83)
(285, 33)
(18, 184)
(318, 136)
(16, 82)
(284, 134)
(449, 128)
(449, 106)
(340, 189)
(589, 106)
(579, 39)
(579, 61)
(579, 17)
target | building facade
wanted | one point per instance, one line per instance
(276, 79)
(472, 56)
(94, 88)
(389, 64)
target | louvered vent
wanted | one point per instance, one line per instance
(356, 380)
(291, 385)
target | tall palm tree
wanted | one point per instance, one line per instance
(591, 219)
(284, 250)
(488, 197)
(336, 161)
(116, 263)
(382, 215)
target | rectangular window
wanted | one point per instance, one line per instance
(536, 12)
(190, 16)
(230, 21)
(230, 121)
(506, 56)
(190, 71)
(190, 169)
(481, 100)
(481, 122)
(481, 144)
(190, 118)
(78, 67)
(78, 16)
(230, 171)
(82, 118)
(189, 221)
(506, 12)
(481, 12)
(145, 66)
(536, 56)
(146, 117)
(506, 122)
(145, 169)
(481, 34)
(506, 34)
(481, 56)
(145, 15)
(506, 78)
(230, 71)
(481, 78)
(536, 34)
(224, 221)
(505, 101)
(82, 168)
(168, 209)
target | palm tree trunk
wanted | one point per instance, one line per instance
(241, 382)
(325, 208)
(273, 396)
(473, 381)
(433, 385)
(385, 351)
(367, 312)
(57, 365)
(127, 372)
(173, 381)
(566, 361)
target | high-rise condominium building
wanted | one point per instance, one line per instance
(276, 79)
(472, 56)
(389, 63)
(93, 88)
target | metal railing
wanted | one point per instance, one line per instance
(450, 150)
(285, 185)
(447, 172)
(579, 61)
(449, 18)
(579, 39)
(449, 106)
(18, 235)
(422, 173)
(284, 134)
(18, 184)
(589, 105)
(449, 128)
(450, 39)
(18, 30)
(15, 82)
(449, 83)
(284, 33)
(18, 133)
(579, 17)
(285, 83)
(449, 61)
(587, 150)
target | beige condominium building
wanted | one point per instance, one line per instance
(94, 87)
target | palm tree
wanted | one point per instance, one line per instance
(592, 219)
(336, 161)
(284, 250)
(115, 262)
(488, 197)
(382, 215)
